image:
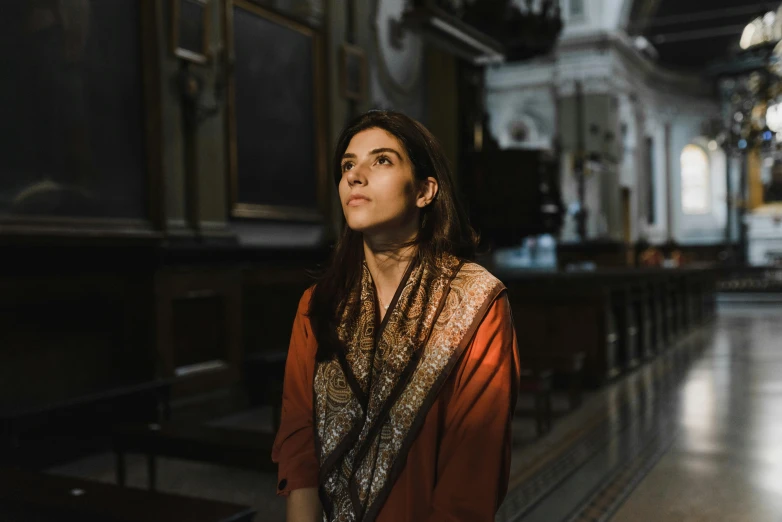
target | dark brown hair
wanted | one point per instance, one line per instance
(444, 227)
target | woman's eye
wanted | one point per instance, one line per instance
(383, 160)
(347, 166)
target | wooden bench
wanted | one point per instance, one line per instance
(264, 375)
(32, 428)
(642, 309)
(539, 384)
(565, 316)
(617, 317)
(571, 365)
(626, 324)
(230, 447)
(31, 496)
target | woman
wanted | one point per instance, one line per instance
(402, 371)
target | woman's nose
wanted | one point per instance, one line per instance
(356, 176)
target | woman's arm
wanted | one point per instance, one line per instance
(474, 456)
(294, 446)
(304, 506)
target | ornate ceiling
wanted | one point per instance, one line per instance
(692, 34)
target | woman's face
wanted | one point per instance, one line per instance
(378, 190)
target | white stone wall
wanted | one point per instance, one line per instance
(596, 52)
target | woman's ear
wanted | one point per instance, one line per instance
(427, 191)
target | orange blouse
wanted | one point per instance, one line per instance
(457, 468)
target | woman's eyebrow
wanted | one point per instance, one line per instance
(374, 152)
(385, 149)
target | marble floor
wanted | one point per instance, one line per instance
(725, 461)
(694, 435)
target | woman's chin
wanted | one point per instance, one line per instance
(386, 229)
(362, 226)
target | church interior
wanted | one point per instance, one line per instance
(620, 159)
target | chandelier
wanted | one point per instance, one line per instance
(751, 88)
(761, 30)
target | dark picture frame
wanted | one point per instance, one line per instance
(190, 30)
(353, 72)
(142, 217)
(280, 101)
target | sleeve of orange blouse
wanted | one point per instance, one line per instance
(475, 450)
(294, 445)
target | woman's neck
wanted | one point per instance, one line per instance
(387, 267)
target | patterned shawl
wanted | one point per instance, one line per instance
(371, 401)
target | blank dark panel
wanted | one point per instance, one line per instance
(72, 111)
(275, 113)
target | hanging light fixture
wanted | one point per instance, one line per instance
(752, 85)
(751, 88)
(763, 29)
(774, 117)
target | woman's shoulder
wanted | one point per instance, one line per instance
(303, 313)
(304, 301)
(473, 274)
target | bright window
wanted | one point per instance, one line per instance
(695, 180)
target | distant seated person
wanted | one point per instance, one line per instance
(651, 257)
(677, 258)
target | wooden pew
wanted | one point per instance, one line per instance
(627, 324)
(617, 318)
(642, 309)
(562, 320)
(660, 312)
(31, 428)
(264, 376)
(538, 383)
(32, 496)
(271, 296)
(244, 449)
(569, 365)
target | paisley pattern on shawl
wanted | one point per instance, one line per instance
(369, 404)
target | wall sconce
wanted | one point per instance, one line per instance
(191, 43)
(192, 88)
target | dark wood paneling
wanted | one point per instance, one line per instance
(199, 326)
(271, 297)
(67, 336)
(81, 322)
